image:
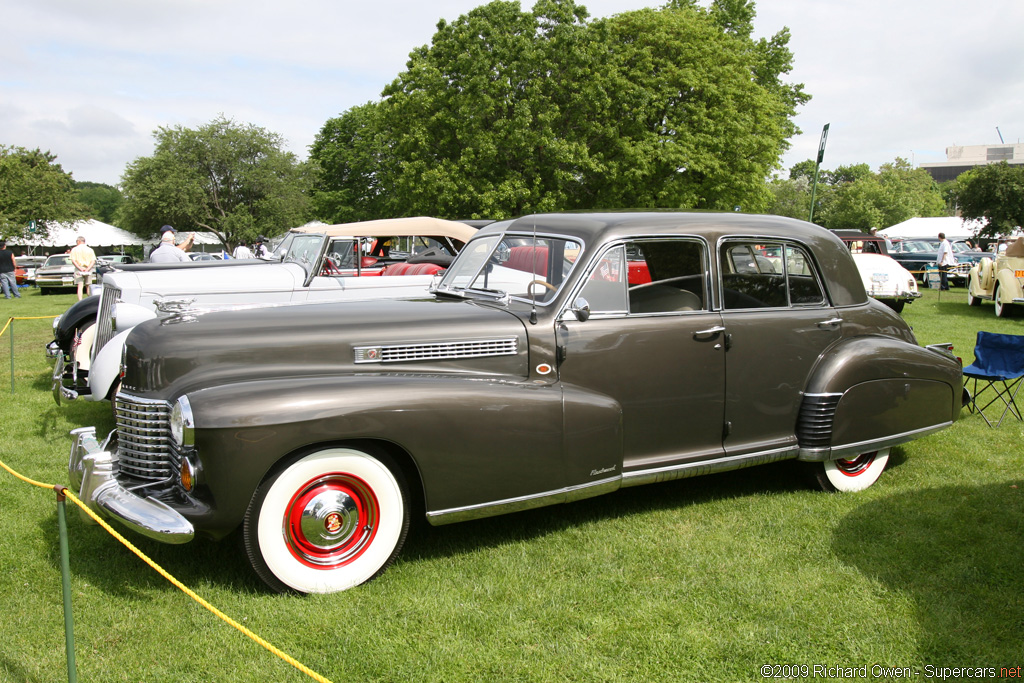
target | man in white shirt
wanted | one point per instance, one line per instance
(84, 260)
(167, 252)
(241, 251)
(944, 259)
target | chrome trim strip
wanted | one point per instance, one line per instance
(846, 450)
(702, 467)
(518, 504)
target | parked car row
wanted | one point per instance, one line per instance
(319, 263)
(556, 358)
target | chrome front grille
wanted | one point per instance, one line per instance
(397, 353)
(104, 318)
(143, 437)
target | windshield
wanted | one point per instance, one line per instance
(527, 267)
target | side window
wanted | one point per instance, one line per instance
(605, 290)
(648, 276)
(804, 288)
(666, 276)
(767, 275)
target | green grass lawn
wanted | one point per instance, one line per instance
(704, 579)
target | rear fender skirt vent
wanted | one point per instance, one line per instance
(814, 425)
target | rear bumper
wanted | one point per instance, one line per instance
(92, 469)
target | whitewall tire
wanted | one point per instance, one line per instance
(327, 522)
(854, 474)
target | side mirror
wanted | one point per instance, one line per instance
(581, 309)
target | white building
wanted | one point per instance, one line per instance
(960, 158)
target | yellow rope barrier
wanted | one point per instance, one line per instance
(178, 584)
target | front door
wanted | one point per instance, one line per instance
(653, 346)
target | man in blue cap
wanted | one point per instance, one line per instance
(166, 252)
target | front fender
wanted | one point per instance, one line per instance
(874, 392)
(472, 441)
(106, 368)
(127, 316)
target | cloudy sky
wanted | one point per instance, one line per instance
(91, 81)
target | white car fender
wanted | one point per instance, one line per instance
(127, 316)
(84, 350)
(106, 368)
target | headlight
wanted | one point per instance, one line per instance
(182, 424)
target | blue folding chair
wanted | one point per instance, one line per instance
(999, 365)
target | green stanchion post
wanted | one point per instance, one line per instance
(65, 574)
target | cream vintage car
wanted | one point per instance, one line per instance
(345, 262)
(999, 279)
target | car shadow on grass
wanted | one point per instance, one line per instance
(958, 553)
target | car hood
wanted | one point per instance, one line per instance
(209, 283)
(164, 358)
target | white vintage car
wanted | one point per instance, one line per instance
(999, 279)
(886, 280)
(392, 258)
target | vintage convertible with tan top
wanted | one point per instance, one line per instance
(560, 357)
(999, 279)
(317, 263)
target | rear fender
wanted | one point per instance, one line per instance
(861, 398)
(1009, 286)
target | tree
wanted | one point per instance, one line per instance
(102, 200)
(994, 193)
(862, 200)
(33, 187)
(233, 180)
(509, 112)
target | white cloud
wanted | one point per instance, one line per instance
(92, 81)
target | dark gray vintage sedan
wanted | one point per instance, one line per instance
(560, 357)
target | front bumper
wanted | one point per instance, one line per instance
(92, 469)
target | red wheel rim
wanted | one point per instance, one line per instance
(331, 521)
(856, 466)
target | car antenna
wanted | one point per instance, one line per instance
(533, 293)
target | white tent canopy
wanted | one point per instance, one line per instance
(96, 234)
(954, 227)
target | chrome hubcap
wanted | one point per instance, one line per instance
(331, 520)
(858, 465)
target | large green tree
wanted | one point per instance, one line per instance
(234, 180)
(34, 189)
(995, 193)
(102, 200)
(509, 112)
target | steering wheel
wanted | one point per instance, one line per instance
(330, 267)
(542, 282)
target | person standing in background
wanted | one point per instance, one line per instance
(241, 251)
(167, 252)
(944, 259)
(8, 280)
(84, 260)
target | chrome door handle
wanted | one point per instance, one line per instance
(829, 323)
(710, 332)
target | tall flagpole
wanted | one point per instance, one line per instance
(817, 165)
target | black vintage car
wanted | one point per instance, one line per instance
(560, 357)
